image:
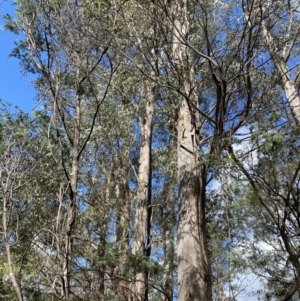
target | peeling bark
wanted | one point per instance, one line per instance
(194, 277)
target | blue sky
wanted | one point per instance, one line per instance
(14, 87)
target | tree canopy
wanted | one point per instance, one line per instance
(162, 162)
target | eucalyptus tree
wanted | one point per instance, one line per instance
(207, 116)
(194, 278)
(140, 54)
(106, 176)
(274, 178)
(181, 79)
(279, 24)
(16, 167)
(27, 215)
(70, 56)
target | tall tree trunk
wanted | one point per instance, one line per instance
(194, 277)
(287, 83)
(122, 231)
(279, 56)
(66, 247)
(71, 214)
(168, 244)
(143, 210)
(104, 213)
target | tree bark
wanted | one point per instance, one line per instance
(5, 218)
(194, 280)
(122, 231)
(194, 276)
(67, 248)
(141, 228)
(71, 215)
(168, 244)
(287, 83)
(10, 183)
(279, 56)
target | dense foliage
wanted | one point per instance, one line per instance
(162, 162)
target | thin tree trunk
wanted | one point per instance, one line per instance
(71, 215)
(279, 58)
(225, 198)
(168, 245)
(103, 232)
(5, 218)
(141, 228)
(73, 182)
(122, 230)
(9, 169)
(194, 277)
(287, 83)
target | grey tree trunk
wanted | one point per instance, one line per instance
(139, 287)
(194, 277)
(279, 56)
(65, 244)
(122, 231)
(287, 83)
(71, 215)
(7, 197)
(168, 244)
